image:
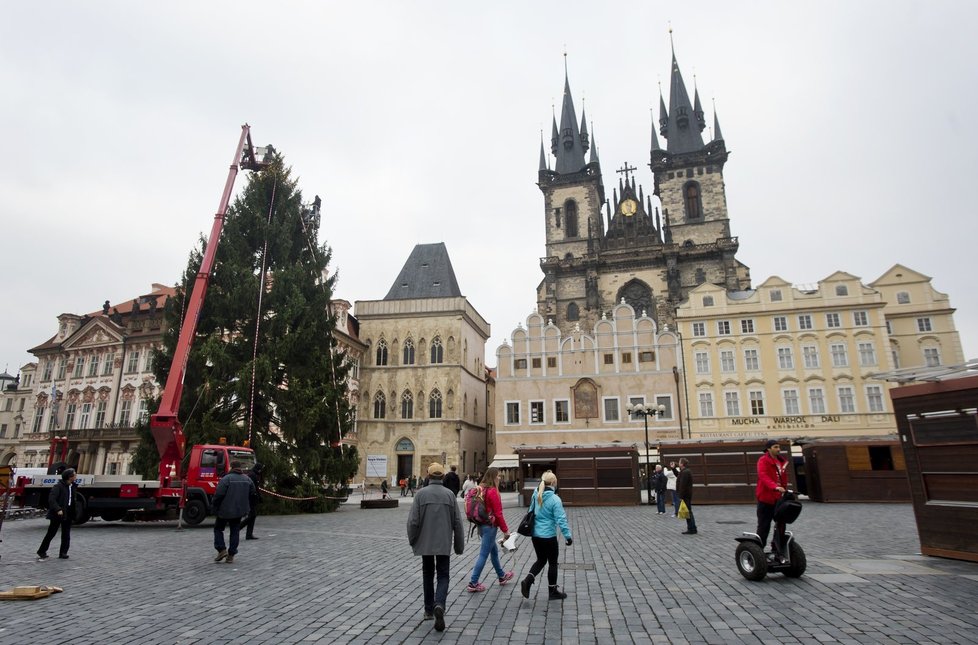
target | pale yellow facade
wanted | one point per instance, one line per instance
(423, 387)
(787, 361)
(555, 388)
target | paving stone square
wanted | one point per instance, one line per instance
(350, 577)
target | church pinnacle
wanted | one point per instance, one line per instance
(569, 143)
(682, 124)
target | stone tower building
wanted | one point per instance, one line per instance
(601, 252)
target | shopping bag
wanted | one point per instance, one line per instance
(683, 513)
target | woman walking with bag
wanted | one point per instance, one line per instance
(550, 517)
(487, 532)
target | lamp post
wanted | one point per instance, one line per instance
(646, 412)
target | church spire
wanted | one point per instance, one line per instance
(663, 115)
(655, 139)
(543, 154)
(717, 136)
(698, 107)
(594, 148)
(682, 134)
(571, 146)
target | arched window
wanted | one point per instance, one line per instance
(408, 352)
(434, 405)
(573, 313)
(380, 406)
(382, 352)
(639, 296)
(437, 351)
(570, 218)
(407, 405)
(692, 200)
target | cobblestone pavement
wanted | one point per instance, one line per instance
(350, 577)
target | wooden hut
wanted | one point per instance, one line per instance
(724, 471)
(864, 469)
(938, 426)
(587, 475)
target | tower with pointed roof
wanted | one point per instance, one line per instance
(599, 253)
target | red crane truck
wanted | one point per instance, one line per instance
(186, 482)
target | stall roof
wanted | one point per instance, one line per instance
(505, 461)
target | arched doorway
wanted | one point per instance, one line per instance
(405, 458)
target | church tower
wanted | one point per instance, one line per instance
(600, 253)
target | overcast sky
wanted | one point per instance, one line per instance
(850, 126)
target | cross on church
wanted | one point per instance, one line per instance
(625, 169)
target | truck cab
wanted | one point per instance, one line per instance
(205, 466)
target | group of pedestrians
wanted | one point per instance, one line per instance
(434, 530)
(677, 483)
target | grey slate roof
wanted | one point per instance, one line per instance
(427, 273)
(683, 130)
(569, 145)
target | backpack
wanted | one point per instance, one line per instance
(475, 506)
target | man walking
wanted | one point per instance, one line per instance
(434, 527)
(684, 488)
(231, 503)
(659, 482)
(255, 476)
(452, 482)
(60, 510)
(772, 481)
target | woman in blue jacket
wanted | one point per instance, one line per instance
(550, 516)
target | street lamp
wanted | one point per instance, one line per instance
(646, 412)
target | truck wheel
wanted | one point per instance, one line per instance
(751, 561)
(113, 514)
(798, 561)
(194, 512)
(82, 513)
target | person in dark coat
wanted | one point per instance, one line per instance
(434, 527)
(231, 503)
(452, 482)
(255, 476)
(383, 490)
(684, 488)
(659, 483)
(60, 509)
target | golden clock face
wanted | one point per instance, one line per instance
(629, 207)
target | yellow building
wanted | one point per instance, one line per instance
(554, 388)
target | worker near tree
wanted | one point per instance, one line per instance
(231, 503)
(255, 476)
(772, 482)
(60, 510)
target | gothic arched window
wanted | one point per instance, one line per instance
(570, 218)
(407, 405)
(408, 352)
(692, 200)
(437, 351)
(382, 353)
(639, 296)
(380, 406)
(573, 312)
(434, 405)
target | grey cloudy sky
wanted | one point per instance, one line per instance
(853, 145)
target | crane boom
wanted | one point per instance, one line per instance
(165, 427)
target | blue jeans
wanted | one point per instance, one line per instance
(488, 550)
(675, 502)
(432, 595)
(660, 501)
(219, 525)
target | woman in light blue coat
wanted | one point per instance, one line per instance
(550, 517)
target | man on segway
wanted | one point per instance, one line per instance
(772, 482)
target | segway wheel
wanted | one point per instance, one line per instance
(751, 561)
(798, 561)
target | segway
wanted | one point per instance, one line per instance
(786, 555)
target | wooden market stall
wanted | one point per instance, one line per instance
(605, 475)
(938, 426)
(724, 471)
(860, 469)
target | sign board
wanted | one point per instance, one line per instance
(376, 465)
(51, 480)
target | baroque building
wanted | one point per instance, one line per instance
(15, 394)
(600, 251)
(424, 383)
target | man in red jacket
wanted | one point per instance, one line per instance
(772, 481)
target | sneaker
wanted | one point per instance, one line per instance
(506, 577)
(556, 593)
(230, 559)
(428, 616)
(42, 556)
(475, 587)
(223, 553)
(440, 618)
(525, 586)
(63, 556)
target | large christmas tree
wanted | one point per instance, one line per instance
(264, 366)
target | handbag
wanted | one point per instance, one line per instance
(683, 513)
(526, 525)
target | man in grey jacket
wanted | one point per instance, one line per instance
(232, 501)
(434, 526)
